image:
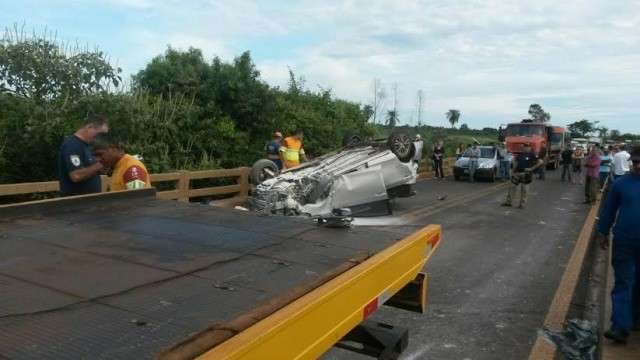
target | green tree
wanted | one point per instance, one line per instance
(615, 134)
(538, 114)
(40, 69)
(464, 127)
(582, 128)
(603, 132)
(453, 116)
(392, 118)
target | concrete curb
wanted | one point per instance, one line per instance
(557, 313)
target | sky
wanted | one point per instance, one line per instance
(489, 59)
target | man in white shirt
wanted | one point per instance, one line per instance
(621, 163)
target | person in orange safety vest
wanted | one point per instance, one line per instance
(291, 151)
(128, 173)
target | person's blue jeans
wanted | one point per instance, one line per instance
(603, 178)
(473, 167)
(504, 169)
(625, 261)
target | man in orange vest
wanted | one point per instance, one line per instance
(128, 173)
(291, 151)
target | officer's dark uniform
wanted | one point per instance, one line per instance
(521, 178)
(75, 154)
(273, 152)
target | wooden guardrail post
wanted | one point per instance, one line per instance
(105, 181)
(184, 183)
(243, 181)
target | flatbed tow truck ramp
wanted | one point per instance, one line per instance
(127, 276)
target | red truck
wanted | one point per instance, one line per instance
(543, 137)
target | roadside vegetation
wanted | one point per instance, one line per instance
(181, 111)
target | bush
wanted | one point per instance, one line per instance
(181, 112)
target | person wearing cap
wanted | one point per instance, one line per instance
(291, 151)
(524, 164)
(273, 149)
(621, 212)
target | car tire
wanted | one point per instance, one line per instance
(262, 170)
(401, 145)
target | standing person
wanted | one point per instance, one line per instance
(578, 160)
(591, 185)
(621, 163)
(438, 159)
(79, 172)
(605, 167)
(418, 143)
(505, 164)
(567, 164)
(524, 164)
(459, 151)
(474, 155)
(128, 173)
(273, 149)
(291, 151)
(542, 169)
(622, 208)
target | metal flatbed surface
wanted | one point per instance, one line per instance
(126, 275)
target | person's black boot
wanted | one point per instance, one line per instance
(617, 336)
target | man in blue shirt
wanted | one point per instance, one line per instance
(605, 166)
(622, 208)
(273, 149)
(79, 172)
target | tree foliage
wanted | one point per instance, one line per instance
(453, 116)
(582, 128)
(182, 111)
(538, 114)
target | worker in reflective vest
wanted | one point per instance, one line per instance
(129, 173)
(291, 151)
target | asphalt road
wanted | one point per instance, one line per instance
(496, 271)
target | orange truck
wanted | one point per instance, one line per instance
(543, 137)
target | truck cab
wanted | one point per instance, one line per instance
(543, 138)
(519, 134)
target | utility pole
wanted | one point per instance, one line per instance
(420, 100)
(378, 99)
(395, 99)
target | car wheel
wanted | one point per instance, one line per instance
(262, 170)
(401, 145)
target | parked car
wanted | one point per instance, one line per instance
(488, 163)
(361, 177)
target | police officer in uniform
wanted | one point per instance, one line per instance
(525, 163)
(79, 171)
(273, 149)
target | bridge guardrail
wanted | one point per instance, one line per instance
(182, 191)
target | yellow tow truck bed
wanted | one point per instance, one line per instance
(125, 275)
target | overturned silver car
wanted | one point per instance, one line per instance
(361, 177)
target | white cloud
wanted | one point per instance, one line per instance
(489, 58)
